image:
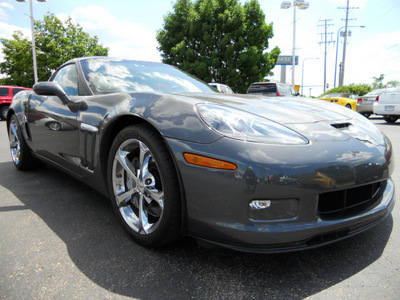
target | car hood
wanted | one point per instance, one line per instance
(314, 119)
(284, 110)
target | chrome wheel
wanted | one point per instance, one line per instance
(137, 186)
(15, 144)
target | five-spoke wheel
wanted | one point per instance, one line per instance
(20, 152)
(144, 185)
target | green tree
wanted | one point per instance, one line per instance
(393, 84)
(56, 43)
(378, 82)
(18, 61)
(219, 40)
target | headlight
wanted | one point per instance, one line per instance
(241, 125)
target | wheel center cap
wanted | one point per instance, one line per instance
(141, 187)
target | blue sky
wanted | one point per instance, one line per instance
(128, 28)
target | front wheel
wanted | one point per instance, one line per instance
(20, 152)
(144, 187)
(348, 105)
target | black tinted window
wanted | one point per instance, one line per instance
(16, 91)
(68, 79)
(262, 88)
(4, 92)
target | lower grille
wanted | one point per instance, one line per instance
(349, 202)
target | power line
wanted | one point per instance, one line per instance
(341, 74)
(326, 39)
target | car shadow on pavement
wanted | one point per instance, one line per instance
(102, 250)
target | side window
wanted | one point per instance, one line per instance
(16, 91)
(4, 92)
(68, 79)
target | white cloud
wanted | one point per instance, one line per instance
(6, 5)
(3, 7)
(374, 56)
(6, 31)
(123, 38)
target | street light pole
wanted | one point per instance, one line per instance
(35, 75)
(341, 78)
(337, 46)
(294, 44)
(302, 72)
(302, 5)
(33, 46)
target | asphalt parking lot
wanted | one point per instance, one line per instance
(59, 239)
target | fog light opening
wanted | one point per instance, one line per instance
(260, 204)
(267, 210)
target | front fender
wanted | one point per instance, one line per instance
(18, 106)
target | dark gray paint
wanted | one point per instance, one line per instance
(216, 201)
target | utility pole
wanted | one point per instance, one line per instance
(326, 39)
(341, 73)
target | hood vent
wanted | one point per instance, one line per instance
(341, 125)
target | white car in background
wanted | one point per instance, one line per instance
(222, 88)
(388, 105)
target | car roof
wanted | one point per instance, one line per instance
(13, 86)
(74, 60)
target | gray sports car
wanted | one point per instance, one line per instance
(250, 173)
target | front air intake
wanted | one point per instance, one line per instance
(349, 202)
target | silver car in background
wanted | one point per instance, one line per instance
(365, 103)
(222, 88)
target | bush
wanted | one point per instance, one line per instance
(359, 89)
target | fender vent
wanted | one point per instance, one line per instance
(341, 125)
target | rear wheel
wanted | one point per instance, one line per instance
(20, 152)
(3, 112)
(144, 186)
(390, 119)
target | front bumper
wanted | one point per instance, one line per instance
(320, 232)
(217, 201)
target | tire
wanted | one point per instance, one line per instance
(144, 187)
(3, 112)
(348, 105)
(390, 119)
(366, 115)
(20, 152)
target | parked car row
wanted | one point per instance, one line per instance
(385, 102)
(270, 89)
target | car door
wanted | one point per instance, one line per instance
(53, 126)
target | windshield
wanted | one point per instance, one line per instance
(262, 88)
(110, 76)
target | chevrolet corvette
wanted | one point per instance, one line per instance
(176, 158)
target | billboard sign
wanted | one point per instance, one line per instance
(287, 60)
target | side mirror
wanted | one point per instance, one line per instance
(50, 88)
